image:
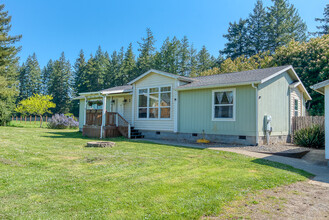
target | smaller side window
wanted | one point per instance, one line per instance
(296, 107)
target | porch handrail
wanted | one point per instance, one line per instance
(123, 126)
(115, 119)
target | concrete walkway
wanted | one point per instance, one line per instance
(321, 172)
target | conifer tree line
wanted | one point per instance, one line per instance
(265, 29)
(253, 42)
(103, 70)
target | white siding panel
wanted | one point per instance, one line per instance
(296, 94)
(152, 124)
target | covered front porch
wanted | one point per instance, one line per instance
(108, 113)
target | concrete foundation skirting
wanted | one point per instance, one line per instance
(275, 139)
(227, 139)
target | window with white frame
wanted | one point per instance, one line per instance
(223, 104)
(154, 102)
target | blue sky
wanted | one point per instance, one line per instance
(52, 26)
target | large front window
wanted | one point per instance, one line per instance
(154, 103)
(223, 104)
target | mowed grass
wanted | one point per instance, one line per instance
(50, 174)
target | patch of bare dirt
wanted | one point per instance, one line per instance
(302, 200)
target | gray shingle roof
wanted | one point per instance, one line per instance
(233, 78)
(118, 89)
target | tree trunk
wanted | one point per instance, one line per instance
(41, 121)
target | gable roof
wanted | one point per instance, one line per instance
(257, 76)
(319, 87)
(236, 78)
(118, 89)
(174, 76)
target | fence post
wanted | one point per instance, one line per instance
(129, 131)
(116, 120)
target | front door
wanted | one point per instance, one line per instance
(119, 106)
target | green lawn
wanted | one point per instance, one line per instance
(49, 174)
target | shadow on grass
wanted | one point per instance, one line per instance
(282, 166)
(78, 134)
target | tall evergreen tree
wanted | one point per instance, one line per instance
(146, 49)
(23, 83)
(8, 67)
(30, 78)
(324, 27)
(79, 74)
(60, 84)
(204, 60)
(238, 42)
(167, 58)
(101, 65)
(193, 62)
(112, 70)
(45, 77)
(128, 66)
(283, 25)
(184, 57)
(257, 28)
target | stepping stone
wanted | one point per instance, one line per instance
(101, 144)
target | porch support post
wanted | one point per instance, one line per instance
(85, 115)
(133, 106)
(103, 115)
(111, 110)
(175, 106)
(129, 131)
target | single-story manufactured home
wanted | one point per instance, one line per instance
(247, 107)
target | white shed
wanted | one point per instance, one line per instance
(323, 88)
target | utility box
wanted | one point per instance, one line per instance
(268, 120)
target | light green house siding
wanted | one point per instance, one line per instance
(195, 113)
(274, 101)
(81, 113)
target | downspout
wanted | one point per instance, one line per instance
(290, 115)
(256, 100)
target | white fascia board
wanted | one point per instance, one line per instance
(160, 73)
(276, 74)
(89, 93)
(218, 86)
(116, 92)
(319, 87)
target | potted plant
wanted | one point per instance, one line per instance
(99, 103)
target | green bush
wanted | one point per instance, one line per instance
(312, 137)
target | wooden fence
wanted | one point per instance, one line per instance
(33, 118)
(305, 122)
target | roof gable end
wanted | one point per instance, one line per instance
(170, 75)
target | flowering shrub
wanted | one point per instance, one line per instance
(60, 121)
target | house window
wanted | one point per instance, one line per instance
(296, 107)
(154, 103)
(223, 105)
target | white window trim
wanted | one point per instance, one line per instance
(148, 108)
(213, 104)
